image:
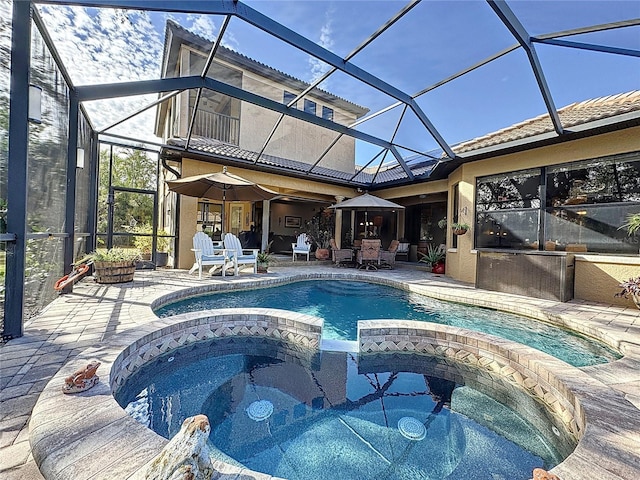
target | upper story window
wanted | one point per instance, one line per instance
(327, 113)
(288, 98)
(309, 106)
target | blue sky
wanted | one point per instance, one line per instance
(436, 39)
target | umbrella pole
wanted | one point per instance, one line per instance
(224, 198)
(366, 223)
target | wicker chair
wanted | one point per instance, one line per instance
(388, 257)
(369, 254)
(339, 255)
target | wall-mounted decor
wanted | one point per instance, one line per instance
(293, 222)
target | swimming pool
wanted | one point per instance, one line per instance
(342, 303)
(367, 418)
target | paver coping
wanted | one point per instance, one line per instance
(76, 326)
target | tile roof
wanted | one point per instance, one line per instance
(571, 115)
(217, 148)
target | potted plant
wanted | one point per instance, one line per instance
(630, 287)
(459, 228)
(263, 259)
(144, 243)
(115, 265)
(434, 257)
(319, 232)
(632, 224)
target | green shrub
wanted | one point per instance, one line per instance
(116, 254)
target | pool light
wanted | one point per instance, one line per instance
(412, 428)
(260, 410)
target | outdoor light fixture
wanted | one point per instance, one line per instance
(80, 158)
(35, 104)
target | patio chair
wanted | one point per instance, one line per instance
(388, 256)
(403, 251)
(340, 255)
(238, 255)
(302, 246)
(207, 254)
(369, 254)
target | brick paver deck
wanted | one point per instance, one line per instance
(93, 313)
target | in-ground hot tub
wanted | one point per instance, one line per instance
(296, 414)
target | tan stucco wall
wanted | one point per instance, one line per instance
(594, 280)
(293, 139)
(597, 277)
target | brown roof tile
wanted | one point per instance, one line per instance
(571, 115)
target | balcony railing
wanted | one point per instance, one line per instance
(215, 125)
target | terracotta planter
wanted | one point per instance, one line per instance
(459, 231)
(438, 268)
(322, 254)
(113, 272)
(263, 267)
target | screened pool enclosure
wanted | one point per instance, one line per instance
(82, 154)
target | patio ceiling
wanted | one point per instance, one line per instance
(473, 69)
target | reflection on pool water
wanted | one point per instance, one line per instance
(342, 303)
(400, 416)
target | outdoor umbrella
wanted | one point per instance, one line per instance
(221, 186)
(365, 202)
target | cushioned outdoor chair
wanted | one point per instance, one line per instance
(302, 246)
(339, 255)
(369, 254)
(388, 256)
(403, 251)
(239, 255)
(207, 254)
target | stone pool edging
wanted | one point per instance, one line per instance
(88, 435)
(545, 311)
(517, 364)
(580, 403)
(78, 436)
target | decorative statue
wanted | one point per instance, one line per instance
(540, 474)
(186, 456)
(82, 379)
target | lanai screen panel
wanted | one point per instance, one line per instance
(5, 69)
(47, 180)
(392, 53)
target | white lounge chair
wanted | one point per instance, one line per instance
(239, 255)
(207, 254)
(301, 246)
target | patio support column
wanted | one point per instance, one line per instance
(354, 227)
(266, 226)
(17, 169)
(338, 226)
(400, 225)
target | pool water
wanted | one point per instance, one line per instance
(342, 303)
(333, 412)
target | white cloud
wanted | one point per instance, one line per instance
(201, 25)
(318, 67)
(108, 46)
